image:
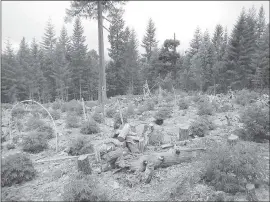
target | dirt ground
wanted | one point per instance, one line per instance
(53, 175)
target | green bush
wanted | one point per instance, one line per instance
(183, 104)
(35, 142)
(141, 109)
(72, 120)
(98, 109)
(18, 112)
(245, 97)
(80, 146)
(38, 125)
(163, 113)
(205, 108)
(72, 106)
(16, 168)
(256, 122)
(56, 105)
(97, 117)
(90, 127)
(10, 146)
(199, 128)
(230, 168)
(110, 112)
(150, 105)
(82, 188)
(33, 123)
(117, 120)
(55, 114)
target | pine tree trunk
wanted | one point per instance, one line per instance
(214, 86)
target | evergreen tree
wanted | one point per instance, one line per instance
(24, 79)
(9, 92)
(149, 41)
(196, 42)
(78, 59)
(117, 39)
(37, 78)
(232, 73)
(48, 45)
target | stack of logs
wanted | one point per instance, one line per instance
(130, 143)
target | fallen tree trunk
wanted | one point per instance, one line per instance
(163, 159)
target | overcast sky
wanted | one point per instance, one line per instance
(28, 19)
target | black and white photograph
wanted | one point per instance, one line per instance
(135, 100)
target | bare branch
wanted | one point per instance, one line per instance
(106, 28)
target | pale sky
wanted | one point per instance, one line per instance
(29, 18)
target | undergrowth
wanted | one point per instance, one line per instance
(16, 168)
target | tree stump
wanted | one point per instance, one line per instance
(232, 139)
(123, 133)
(84, 165)
(250, 191)
(183, 134)
(148, 173)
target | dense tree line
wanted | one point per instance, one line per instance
(63, 66)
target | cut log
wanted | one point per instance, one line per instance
(112, 156)
(165, 146)
(164, 159)
(123, 133)
(133, 143)
(183, 134)
(84, 165)
(148, 173)
(251, 194)
(232, 139)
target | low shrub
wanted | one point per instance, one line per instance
(72, 106)
(35, 142)
(34, 123)
(141, 109)
(199, 128)
(55, 114)
(82, 188)
(80, 146)
(90, 127)
(38, 125)
(163, 113)
(228, 168)
(72, 121)
(245, 97)
(97, 117)
(98, 109)
(10, 146)
(16, 168)
(110, 112)
(56, 105)
(205, 108)
(183, 104)
(117, 120)
(169, 98)
(150, 105)
(18, 112)
(156, 138)
(256, 123)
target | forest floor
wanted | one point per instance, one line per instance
(53, 175)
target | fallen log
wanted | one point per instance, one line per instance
(112, 156)
(165, 146)
(123, 133)
(61, 158)
(84, 165)
(132, 143)
(164, 159)
(148, 173)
